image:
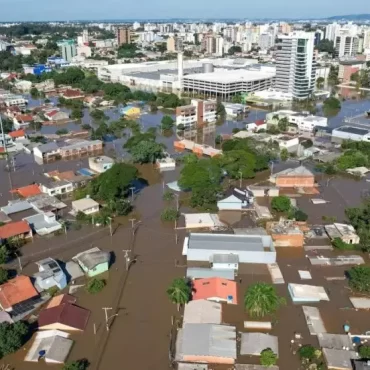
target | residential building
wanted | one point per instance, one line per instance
(307, 293)
(22, 121)
(296, 64)
(56, 115)
(294, 178)
(234, 110)
(202, 311)
(346, 43)
(206, 343)
(101, 164)
(15, 292)
(57, 187)
(87, 206)
(348, 67)
(18, 135)
(6, 141)
(46, 152)
(215, 289)
(93, 261)
(80, 147)
(197, 113)
(165, 164)
(15, 100)
(238, 200)
(205, 273)
(123, 36)
(54, 343)
(342, 133)
(304, 120)
(42, 203)
(345, 232)
(50, 275)
(286, 233)
(72, 94)
(174, 44)
(65, 316)
(17, 230)
(248, 248)
(331, 31)
(67, 49)
(43, 223)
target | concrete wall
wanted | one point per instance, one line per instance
(244, 257)
(295, 181)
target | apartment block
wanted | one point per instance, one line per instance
(197, 113)
(123, 36)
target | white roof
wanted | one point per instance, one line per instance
(255, 343)
(84, 203)
(360, 302)
(304, 275)
(201, 220)
(230, 76)
(314, 320)
(309, 292)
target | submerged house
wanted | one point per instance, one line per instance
(50, 275)
(238, 200)
(93, 261)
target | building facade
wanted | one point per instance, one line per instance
(123, 36)
(197, 113)
(346, 44)
(68, 49)
(296, 64)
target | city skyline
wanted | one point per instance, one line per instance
(110, 10)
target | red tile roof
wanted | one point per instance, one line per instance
(17, 133)
(72, 93)
(65, 314)
(260, 122)
(16, 290)
(215, 288)
(61, 299)
(14, 229)
(27, 191)
(52, 113)
(24, 118)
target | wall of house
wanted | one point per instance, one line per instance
(103, 267)
(288, 240)
(209, 359)
(58, 326)
(295, 181)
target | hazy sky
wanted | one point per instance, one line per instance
(35, 10)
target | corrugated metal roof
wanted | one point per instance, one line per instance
(16, 206)
(225, 242)
(255, 343)
(225, 258)
(202, 312)
(202, 272)
(206, 340)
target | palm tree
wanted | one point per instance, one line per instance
(179, 292)
(261, 299)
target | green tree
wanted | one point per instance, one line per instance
(4, 254)
(168, 196)
(34, 93)
(169, 214)
(338, 243)
(307, 352)
(77, 113)
(122, 207)
(234, 49)
(261, 299)
(281, 203)
(113, 184)
(167, 123)
(268, 358)
(237, 99)
(4, 275)
(283, 124)
(239, 163)
(95, 286)
(146, 152)
(76, 365)
(320, 82)
(205, 199)
(61, 131)
(359, 278)
(326, 45)
(53, 291)
(284, 154)
(298, 215)
(220, 108)
(364, 352)
(98, 114)
(179, 292)
(12, 337)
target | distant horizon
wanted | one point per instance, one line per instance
(112, 10)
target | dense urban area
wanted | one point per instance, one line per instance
(184, 195)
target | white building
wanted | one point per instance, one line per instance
(296, 64)
(331, 31)
(100, 164)
(57, 188)
(350, 133)
(346, 43)
(198, 112)
(87, 206)
(234, 110)
(304, 120)
(13, 100)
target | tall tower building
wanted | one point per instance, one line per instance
(67, 49)
(296, 64)
(123, 36)
(346, 44)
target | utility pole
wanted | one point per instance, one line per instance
(106, 309)
(272, 167)
(127, 258)
(177, 202)
(19, 262)
(110, 226)
(132, 193)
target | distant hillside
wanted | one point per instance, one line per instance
(351, 17)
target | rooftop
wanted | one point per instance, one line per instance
(48, 147)
(85, 203)
(14, 229)
(16, 290)
(215, 288)
(204, 273)
(352, 130)
(255, 343)
(27, 191)
(92, 257)
(298, 171)
(61, 299)
(202, 312)
(206, 340)
(228, 242)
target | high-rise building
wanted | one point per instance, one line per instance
(123, 36)
(296, 64)
(174, 44)
(331, 31)
(266, 41)
(67, 49)
(346, 44)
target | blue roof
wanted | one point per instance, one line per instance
(86, 172)
(16, 206)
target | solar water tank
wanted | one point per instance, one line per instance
(208, 68)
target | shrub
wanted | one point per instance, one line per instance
(298, 215)
(95, 286)
(307, 352)
(281, 203)
(364, 352)
(338, 243)
(53, 291)
(359, 278)
(268, 357)
(169, 214)
(168, 195)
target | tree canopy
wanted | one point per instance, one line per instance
(261, 299)
(12, 337)
(326, 45)
(146, 152)
(179, 292)
(114, 183)
(359, 278)
(281, 203)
